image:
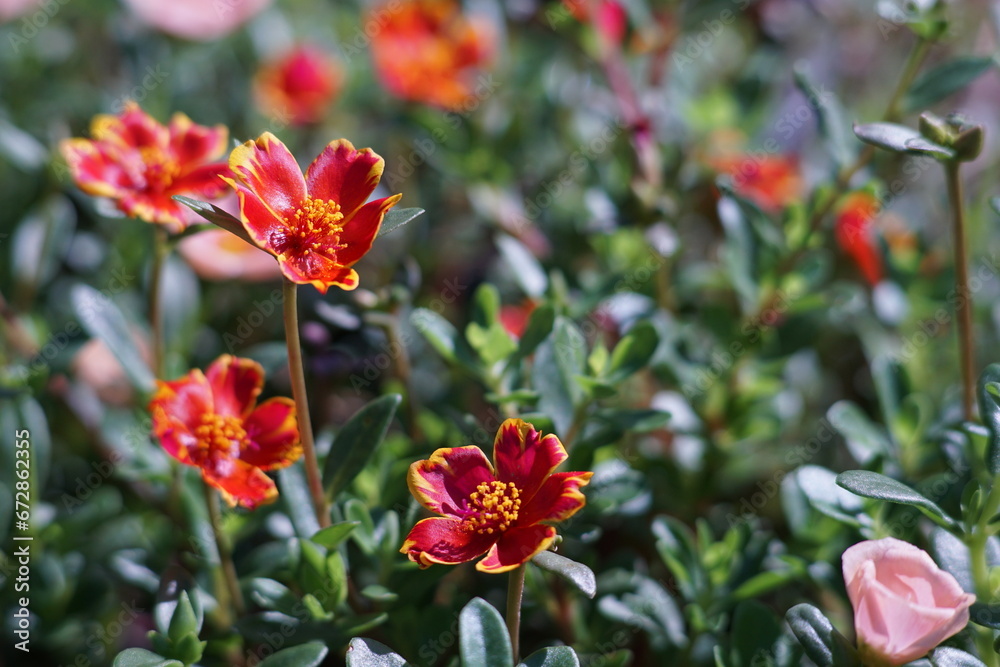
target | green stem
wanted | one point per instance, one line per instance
(963, 295)
(225, 552)
(981, 569)
(160, 248)
(515, 591)
(298, 378)
(910, 69)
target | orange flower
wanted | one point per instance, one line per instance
(502, 512)
(770, 181)
(141, 164)
(298, 86)
(853, 230)
(428, 51)
(212, 421)
(318, 226)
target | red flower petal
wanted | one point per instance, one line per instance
(516, 547)
(240, 483)
(132, 129)
(274, 435)
(236, 383)
(558, 499)
(176, 409)
(360, 231)
(203, 181)
(524, 457)
(443, 540)
(95, 171)
(268, 169)
(444, 482)
(317, 270)
(154, 207)
(257, 218)
(345, 175)
(195, 144)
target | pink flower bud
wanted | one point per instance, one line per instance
(904, 604)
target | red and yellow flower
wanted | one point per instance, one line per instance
(855, 236)
(429, 51)
(770, 181)
(211, 420)
(140, 163)
(501, 510)
(318, 226)
(298, 86)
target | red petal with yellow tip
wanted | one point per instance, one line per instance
(258, 219)
(132, 129)
(236, 383)
(270, 171)
(344, 174)
(95, 171)
(273, 433)
(516, 547)
(240, 483)
(524, 457)
(444, 541)
(316, 269)
(204, 180)
(444, 482)
(558, 498)
(184, 400)
(360, 231)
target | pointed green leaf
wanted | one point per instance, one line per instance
(893, 137)
(217, 217)
(577, 574)
(331, 536)
(873, 485)
(483, 639)
(833, 125)
(633, 352)
(396, 218)
(524, 265)
(357, 441)
(946, 79)
(102, 319)
(370, 653)
(310, 654)
(822, 643)
(140, 657)
(953, 657)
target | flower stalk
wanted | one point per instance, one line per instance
(963, 304)
(160, 249)
(232, 584)
(298, 379)
(515, 593)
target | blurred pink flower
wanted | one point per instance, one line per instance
(216, 254)
(97, 367)
(11, 9)
(199, 20)
(904, 604)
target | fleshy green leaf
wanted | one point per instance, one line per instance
(833, 125)
(217, 217)
(483, 639)
(873, 485)
(396, 218)
(552, 656)
(524, 266)
(865, 441)
(988, 392)
(633, 352)
(577, 574)
(539, 327)
(184, 620)
(357, 441)
(946, 79)
(310, 654)
(140, 657)
(953, 657)
(102, 319)
(821, 641)
(558, 361)
(331, 536)
(895, 138)
(369, 653)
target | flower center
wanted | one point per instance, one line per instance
(221, 433)
(159, 169)
(317, 224)
(493, 507)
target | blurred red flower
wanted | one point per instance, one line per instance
(514, 319)
(428, 51)
(502, 512)
(140, 163)
(298, 86)
(198, 20)
(211, 420)
(319, 226)
(610, 19)
(770, 181)
(855, 236)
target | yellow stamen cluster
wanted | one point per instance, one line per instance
(159, 167)
(221, 432)
(493, 507)
(318, 219)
